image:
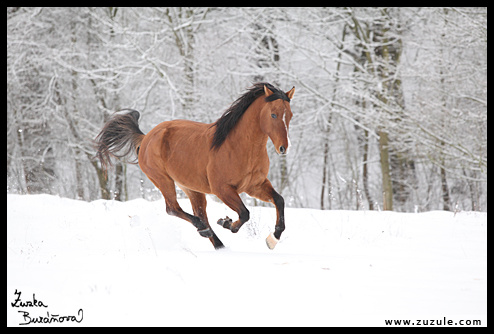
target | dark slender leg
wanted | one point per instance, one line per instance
(279, 202)
(267, 193)
(199, 203)
(167, 187)
(230, 197)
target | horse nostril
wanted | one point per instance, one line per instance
(282, 150)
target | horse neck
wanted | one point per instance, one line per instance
(248, 129)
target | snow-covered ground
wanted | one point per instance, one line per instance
(132, 264)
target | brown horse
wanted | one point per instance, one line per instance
(224, 158)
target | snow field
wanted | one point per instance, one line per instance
(132, 264)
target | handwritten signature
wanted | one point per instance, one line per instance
(19, 303)
(48, 319)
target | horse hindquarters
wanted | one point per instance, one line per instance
(153, 165)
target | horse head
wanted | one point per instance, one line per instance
(275, 118)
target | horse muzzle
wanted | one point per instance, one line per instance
(283, 150)
(281, 146)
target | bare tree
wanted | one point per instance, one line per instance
(390, 110)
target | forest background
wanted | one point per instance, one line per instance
(390, 108)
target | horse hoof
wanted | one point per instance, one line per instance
(271, 241)
(226, 223)
(206, 233)
(218, 247)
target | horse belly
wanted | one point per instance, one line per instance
(193, 182)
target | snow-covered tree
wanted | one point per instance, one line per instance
(390, 110)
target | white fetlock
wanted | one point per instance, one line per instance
(271, 241)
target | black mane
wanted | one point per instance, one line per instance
(233, 114)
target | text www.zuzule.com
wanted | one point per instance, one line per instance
(432, 322)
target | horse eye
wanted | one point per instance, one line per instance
(274, 116)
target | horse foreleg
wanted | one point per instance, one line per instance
(230, 197)
(267, 193)
(273, 238)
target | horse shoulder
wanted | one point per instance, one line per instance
(241, 170)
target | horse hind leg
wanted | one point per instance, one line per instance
(174, 209)
(199, 203)
(167, 187)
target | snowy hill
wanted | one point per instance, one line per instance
(132, 264)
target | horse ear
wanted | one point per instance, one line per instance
(267, 91)
(290, 93)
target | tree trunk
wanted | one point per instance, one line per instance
(386, 175)
(444, 186)
(325, 168)
(102, 178)
(325, 177)
(365, 170)
(445, 190)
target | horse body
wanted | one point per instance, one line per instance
(183, 142)
(225, 158)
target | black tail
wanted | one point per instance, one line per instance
(119, 137)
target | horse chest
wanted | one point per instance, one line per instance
(252, 174)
